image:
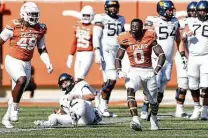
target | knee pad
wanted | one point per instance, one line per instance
(159, 97)
(53, 119)
(108, 86)
(195, 93)
(154, 108)
(180, 95)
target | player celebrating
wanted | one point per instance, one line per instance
(166, 27)
(138, 44)
(105, 32)
(24, 34)
(82, 44)
(182, 77)
(198, 55)
(76, 105)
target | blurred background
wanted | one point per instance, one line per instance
(59, 39)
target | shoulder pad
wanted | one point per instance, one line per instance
(150, 35)
(122, 18)
(123, 38)
(98, 18)
(43, 26)
(12, 24)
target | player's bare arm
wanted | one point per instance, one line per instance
(44, 55)
(161, 55)
(119, 57)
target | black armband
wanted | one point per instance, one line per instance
(96, 48)
(182, 54)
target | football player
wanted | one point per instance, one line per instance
(138, 44)
(105, 32)
(76, 106)
(167, 29)
(182, 77)
(198, 55)
(82, 44)
(24, 35)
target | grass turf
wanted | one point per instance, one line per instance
(110, 127)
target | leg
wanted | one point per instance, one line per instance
(132, 104)
(133, 83)
(110, 74)
(85, 62)
(150, 86)
(54, 120)
(19, 81)
(145, 107)
(204, 91)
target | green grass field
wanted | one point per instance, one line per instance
(110, 127)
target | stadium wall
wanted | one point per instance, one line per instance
(60, 32)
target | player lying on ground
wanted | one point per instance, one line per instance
(138, 44)
(76, 106)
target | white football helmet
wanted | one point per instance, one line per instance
(87, 14)
(30, 13)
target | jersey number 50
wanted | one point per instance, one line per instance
(114, 29)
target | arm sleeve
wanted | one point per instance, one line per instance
(6, 34)
(41, 43)
(97, 34)
(73, 47)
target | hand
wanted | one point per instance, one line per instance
(98, 57)
(49, 68)
(187, 34)
(121, 74)
(69, 61)
(185, 62)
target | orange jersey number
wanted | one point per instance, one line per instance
(27, 43)
(83, 38)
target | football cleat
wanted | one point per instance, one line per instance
(14, 114)
(135, 124)
(154, 122)
(181, 115)
(7, 123)
(106, 113)
(143, 115)
(196, 113)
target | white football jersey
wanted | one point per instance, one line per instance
(183, 22)
(80, 89)
(198, 43)
(166, 33)
(112, 28)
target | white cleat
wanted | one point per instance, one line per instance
(14, 114)
(135, 124)
(106, 113)
(204, 115)
(154, 122)
(144, 115)
(7, 123)
(181, 115)
(196, 113)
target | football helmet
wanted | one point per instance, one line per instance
(202, 10)
(87, 13)
(30, 13)
(109, 4)
(70, 84)
(191, 9)
(163, 6)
